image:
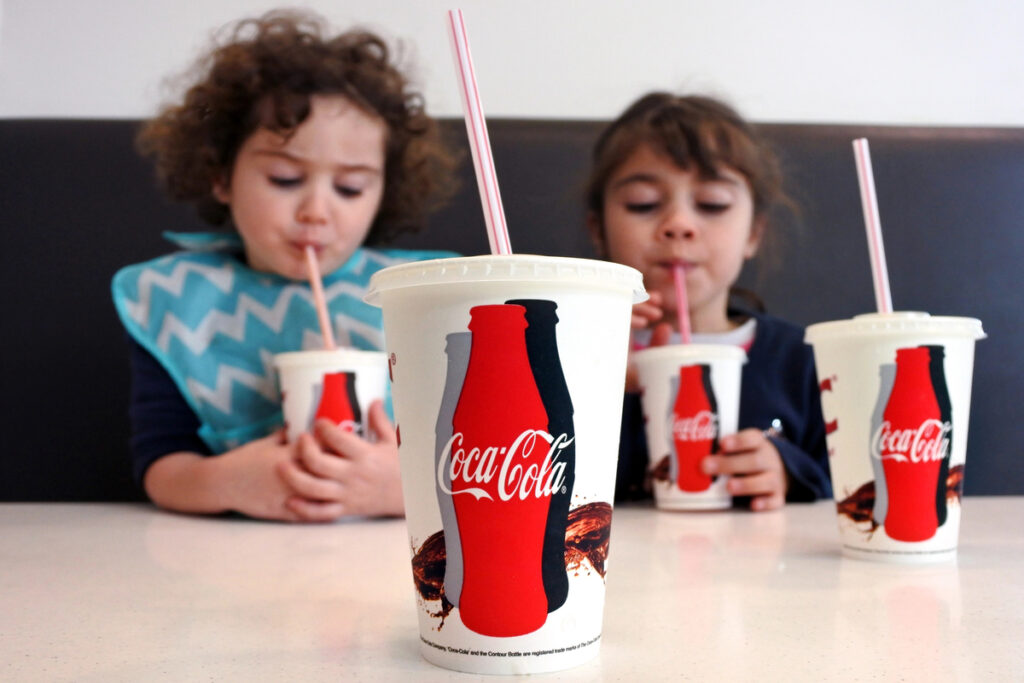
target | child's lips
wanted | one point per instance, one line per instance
(301, 246)
(673, 263)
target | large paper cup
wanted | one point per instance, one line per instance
(691, 398)
(338, 385)
(896, 393)
(507, 381)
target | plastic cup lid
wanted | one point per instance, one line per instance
(546, 270)
(690, 352)
(896, 324)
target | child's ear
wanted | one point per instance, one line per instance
(596, 230)
(757, 229)
(221, 191)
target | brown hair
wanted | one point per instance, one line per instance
(696, 132)
(263, 75)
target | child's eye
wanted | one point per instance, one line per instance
(713, 207)
(347, 191)
(284, 181)
(641, 207)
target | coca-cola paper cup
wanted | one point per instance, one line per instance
(507, 380)
(896, 394)
(338, 385)
(690, 399)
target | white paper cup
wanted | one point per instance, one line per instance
(339, 385)
(690, 399)
(896, 396)
(508, 417)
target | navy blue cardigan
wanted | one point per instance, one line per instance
(779, 382)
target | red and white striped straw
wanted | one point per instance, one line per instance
(682, 303)
(479, 142)
(319, 300)
(873, 225)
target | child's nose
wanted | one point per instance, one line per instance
(312, 209)
(679, 224)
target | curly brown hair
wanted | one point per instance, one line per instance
(263, 75)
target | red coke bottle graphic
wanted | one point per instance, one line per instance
(542, 350)
(498, 462)
(694, 426)
(911, 442)
(338, 401)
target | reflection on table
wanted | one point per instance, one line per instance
(100, 592)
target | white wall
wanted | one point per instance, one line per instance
(872, 61)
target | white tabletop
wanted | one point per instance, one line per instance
(123, 592)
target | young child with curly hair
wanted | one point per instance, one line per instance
(289, 137)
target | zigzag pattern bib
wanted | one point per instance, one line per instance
(215, 325)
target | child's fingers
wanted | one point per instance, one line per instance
(314, 511)
(770, 502)
(307, 485)
(381, 425)
(661, 335)
(736, 464)
(644, 314)
(638, 322)
(337, 440)
(320, 463)
(746, 440)
(760, 484)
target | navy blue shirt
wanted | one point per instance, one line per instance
(162, 420)
(778, 383)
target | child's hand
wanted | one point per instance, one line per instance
(648, 312)
(644, 315)
(339, 473)
(754, 467)
(250, 480)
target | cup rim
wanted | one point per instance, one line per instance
(562, 271)
(334, 357)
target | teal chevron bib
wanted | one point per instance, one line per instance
(215, 325)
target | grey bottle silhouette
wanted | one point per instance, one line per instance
(886, 377)
(457, 350)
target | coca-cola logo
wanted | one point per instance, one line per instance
(700, 427)
(515, 479)
(927, 443)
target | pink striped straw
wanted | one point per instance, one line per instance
(319, 300)
(873, 225)
(682, 303)
(479, 142)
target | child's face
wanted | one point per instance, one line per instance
(322, 187)
(657, 215)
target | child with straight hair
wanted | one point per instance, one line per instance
(292, 138)
(685, 181)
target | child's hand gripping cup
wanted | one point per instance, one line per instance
(507, 387)
(690, 399)
(337, 384)
(896, 394)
